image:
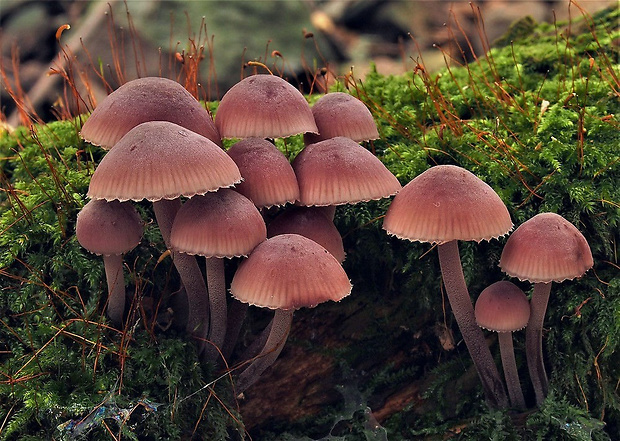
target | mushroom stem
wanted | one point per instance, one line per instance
(511, 374)
(189, 271)
(533, 340)
(280, 327)
(236, 316)
(165, 212)
(216, 286)
(463, 310)
(258, 343)
(116, 287)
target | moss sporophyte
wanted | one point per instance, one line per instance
(534, 118)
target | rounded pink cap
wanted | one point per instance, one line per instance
(223, 223)
(341, 114)
(146, 99)
(162, 160)
(502, 307)
(546, 248)
(312, 223)
(108, 228)
(289, 271)
(447, 203)
(263, 106)
(268, 177)
(339, 171)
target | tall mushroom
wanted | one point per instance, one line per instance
(285, 273)
(443, 205)
(544, 249)
(110, 229)
(217, 225)
(161, 161)
(503, 307)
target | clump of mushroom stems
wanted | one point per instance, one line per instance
(189, 272)
(463, 310)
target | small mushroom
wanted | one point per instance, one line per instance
(544, 249)
(110, 229)
(503, 308)
(285, 273)
(309, 222)
(443, 205)
(341, 114)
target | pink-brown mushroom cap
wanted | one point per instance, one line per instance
(162, 160)
(263, 106)
(108, 228)
(447, 203)
(309, 222)
(268, 177)
(290, 271)
(146, 99)
(546, 248)
(218, 224)
(339, 171)
(341, 114)
(502, 307)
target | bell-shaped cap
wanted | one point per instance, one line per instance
(162, 160)
(447, 203)
(268, 177)
(341, 114)
(312, 223)
(146, 99)
(289, 271)
(223, 223)
(546, 248)
(263, 106)
(339, 171)
(502, 307)
(108, 228)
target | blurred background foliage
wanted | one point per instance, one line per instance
(346, 35)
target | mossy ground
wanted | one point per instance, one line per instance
(536, 118)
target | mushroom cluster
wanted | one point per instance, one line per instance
(251, 202)
(447, 203)
(210, 203)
